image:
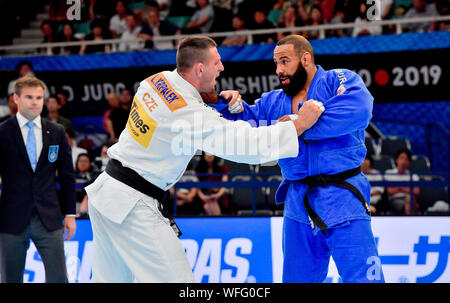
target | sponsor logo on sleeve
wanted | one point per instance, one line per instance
(171, 98)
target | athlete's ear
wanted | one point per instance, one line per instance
(198, 69)
(306, 59)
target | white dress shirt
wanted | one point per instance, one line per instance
(37, 131)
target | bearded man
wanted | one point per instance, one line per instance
(325, 195)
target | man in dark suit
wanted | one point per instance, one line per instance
(154, 27)
(32, 152)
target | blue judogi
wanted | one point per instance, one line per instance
(333, 145)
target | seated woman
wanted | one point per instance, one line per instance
(215, 200)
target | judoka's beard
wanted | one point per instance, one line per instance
(296, 81)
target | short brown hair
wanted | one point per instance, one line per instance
(300, 43)
(27, 81)
(192, 50)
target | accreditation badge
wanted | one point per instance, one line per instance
(53, 153)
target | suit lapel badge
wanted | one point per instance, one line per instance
(53, 153)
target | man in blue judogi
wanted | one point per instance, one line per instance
(326, 196)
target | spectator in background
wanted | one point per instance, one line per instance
(153, 26)
(98, 33)
(373, 175)
(260, 22)
(67, 35)
(53, 105)
(188, 202)
(346, 11)
(304, 6)
(82, 175)
(327, 8)
(215, 200)
(119, 116)
(400, 197)
(315, 18)
(363, 29)
(291, 18)
(49, 37)
(443, 7)
(117, 24)
(76, 150)
(98, 166)
(83, 168)
(202, 19)
(63, 95)
(12, 107)
(420, 9)
(102, 160)
(58, 12)
(113, 102)
(280, 5)
(163, 7)
(384, 9)
(25, 68)
(100, 10)
(130, 33)
(238, 24)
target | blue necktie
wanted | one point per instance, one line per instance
(31, 145)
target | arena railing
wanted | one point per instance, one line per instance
(435, 179)
(398, 23)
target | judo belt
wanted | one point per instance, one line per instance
(131, 178)
(325, 180)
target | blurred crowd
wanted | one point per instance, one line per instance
(146, 19)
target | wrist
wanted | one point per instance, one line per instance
(300, 126)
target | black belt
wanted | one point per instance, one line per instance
(336, 180)
(131, 178)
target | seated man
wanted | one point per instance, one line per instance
(400, 196)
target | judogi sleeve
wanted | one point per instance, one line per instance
(348, 109)
(237, 141)
(254, 112)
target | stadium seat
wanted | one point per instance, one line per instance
(270, 191)
(274, 16)
(179, 21)
(194, 163)
(383, 162)
(136, 5)
(420, 163)
(238, 168)
(372, 148)
(270, 194)
(258, 212)
(241, 198)
(82, 28)
(392, 144)
(429, 195)
(269, 169)
(279, 212)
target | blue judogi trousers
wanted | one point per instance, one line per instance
(352, 245)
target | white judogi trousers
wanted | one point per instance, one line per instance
(143, 246)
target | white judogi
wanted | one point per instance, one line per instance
(168, 123)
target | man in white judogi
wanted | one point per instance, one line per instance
(168, 123)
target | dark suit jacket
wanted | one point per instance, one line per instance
(165, 29)
(22, 189)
